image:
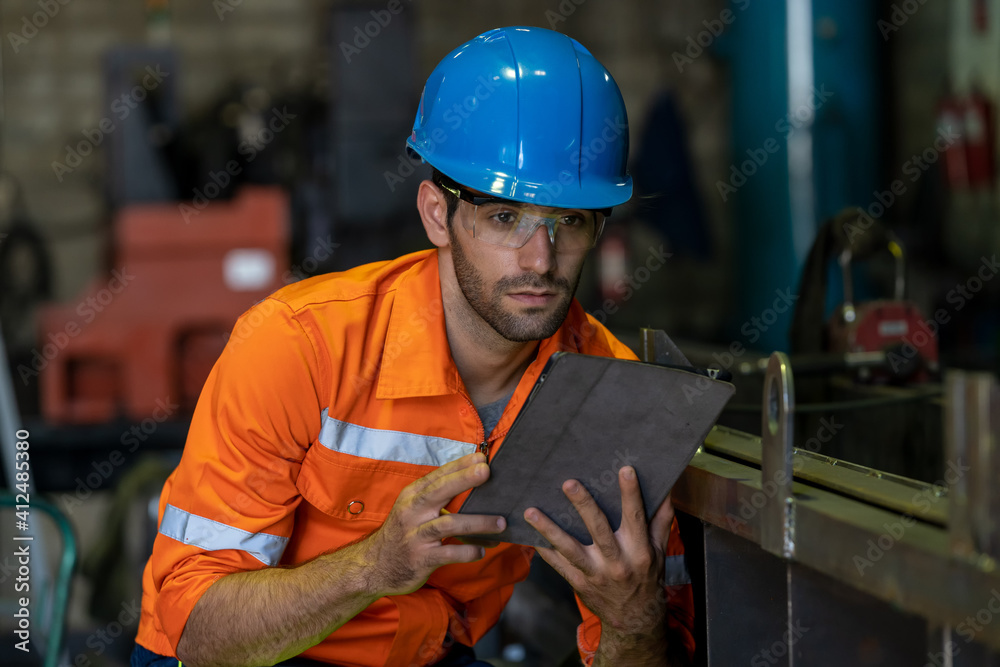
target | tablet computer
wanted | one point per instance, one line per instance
(587, 417)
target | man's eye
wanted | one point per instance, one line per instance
(572, 220)
(505, 217)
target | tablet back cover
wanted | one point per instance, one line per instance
(587, 417)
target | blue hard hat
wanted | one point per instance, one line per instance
(526, 114)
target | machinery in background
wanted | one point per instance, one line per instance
(25, 282)
(900, 345)
(141, 342)
(202, 226)
(865, 370)
(800, 559)
(969, 162)
(894, 327)
(198, 220)
(816, 91)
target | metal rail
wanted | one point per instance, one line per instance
(879, 562)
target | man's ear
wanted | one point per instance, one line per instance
(433, 209)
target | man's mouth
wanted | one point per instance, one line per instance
(533, 297)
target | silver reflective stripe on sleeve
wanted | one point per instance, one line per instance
(214, 536)
(383, 445)
(675, 572)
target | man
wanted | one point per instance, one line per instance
(314, 509)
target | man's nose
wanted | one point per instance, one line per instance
(538, 253)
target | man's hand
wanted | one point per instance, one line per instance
(408, 548)
(265, 616)
(620, 576)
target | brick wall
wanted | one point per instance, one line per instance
(53, 91)
(53, 83)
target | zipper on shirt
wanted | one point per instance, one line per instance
(483, 446)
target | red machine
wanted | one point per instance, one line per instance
(969, 161)
(894, 327)
(141, 342)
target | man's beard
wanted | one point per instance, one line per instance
(513, 327)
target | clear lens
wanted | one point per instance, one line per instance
(506, 224)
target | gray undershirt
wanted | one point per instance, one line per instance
(490, 414)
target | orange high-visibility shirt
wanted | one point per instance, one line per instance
(331, 396)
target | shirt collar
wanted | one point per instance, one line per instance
(417, 358)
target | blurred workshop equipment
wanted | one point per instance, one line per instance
(969, 161)
(809, 97)
(118, 555)
(866, 352)
(893, 326)
(803, 559)
(373, 179)
(25, 281)
(665, 181)
(141, 85)
(892, 331)
(141, 341)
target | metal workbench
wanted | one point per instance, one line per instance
(801, 559)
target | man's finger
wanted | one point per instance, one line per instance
(572, 574)
(593, 518)
(446, 486)
(458, 464)
(564, 543)
(659, 526)
(454, 525)
(633, 510)
(447, 554)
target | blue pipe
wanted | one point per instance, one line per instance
(805, 144)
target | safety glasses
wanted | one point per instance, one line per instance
(506, 223)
